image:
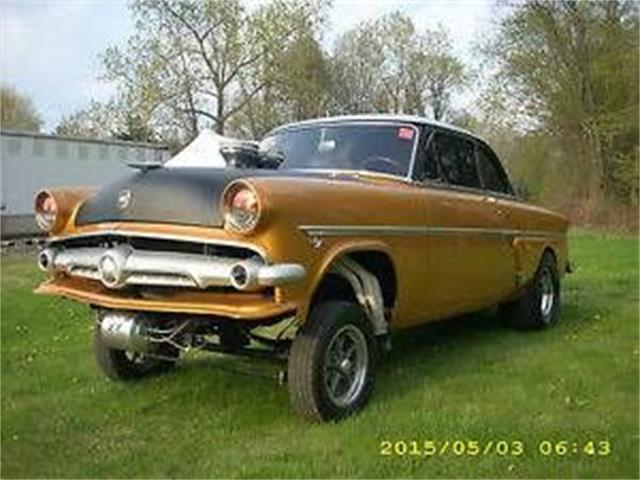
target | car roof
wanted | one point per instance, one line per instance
(380, 117)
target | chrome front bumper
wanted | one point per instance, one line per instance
(122, 265)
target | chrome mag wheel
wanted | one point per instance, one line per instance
(346, 365)
(547, 294)
(332, 362)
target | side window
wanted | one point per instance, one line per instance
(456, 158)
(491, 174)
(428, 167)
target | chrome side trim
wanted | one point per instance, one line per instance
(410, 230)
(337, 173)
(162, 236)
(122, 265)
(461, 189)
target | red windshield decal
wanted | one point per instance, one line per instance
(405, 133)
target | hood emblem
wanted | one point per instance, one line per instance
(124, 199)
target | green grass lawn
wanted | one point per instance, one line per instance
(467, 380)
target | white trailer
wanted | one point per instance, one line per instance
(31, 161)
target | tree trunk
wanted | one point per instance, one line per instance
(220, 120)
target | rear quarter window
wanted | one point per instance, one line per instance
(456, 157)
(491, 173)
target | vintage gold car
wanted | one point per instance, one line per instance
(345, 230)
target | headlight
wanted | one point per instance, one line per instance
(46, 210)
(240, 207)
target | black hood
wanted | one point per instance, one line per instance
(189, 196)
(166, 195)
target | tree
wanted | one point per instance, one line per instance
(296, 88)
(95, 121)
(17, 111)
(356, 62)
(184, 66)
(387, 65)
(554, 65)
(106, 121)
(442, 73)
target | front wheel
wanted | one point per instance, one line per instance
(539, 304)
(332, 362)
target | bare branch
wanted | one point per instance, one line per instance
(248, 97)
(204, 113)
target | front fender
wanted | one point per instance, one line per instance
(333, 253)
(68, 201)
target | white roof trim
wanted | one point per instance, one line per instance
(372, 117)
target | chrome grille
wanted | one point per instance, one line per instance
(155, 244)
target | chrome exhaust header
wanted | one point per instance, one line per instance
(125, 331)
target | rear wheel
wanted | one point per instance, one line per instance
(538, 306)
(123, 365)
(332, 362)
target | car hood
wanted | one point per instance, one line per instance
(189, 196)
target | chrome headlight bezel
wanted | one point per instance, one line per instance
(241, 207)
(46, 210)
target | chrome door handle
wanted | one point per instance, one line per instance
(490, 199)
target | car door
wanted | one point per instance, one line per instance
(500, 195)
(465, 268)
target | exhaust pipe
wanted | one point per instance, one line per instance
(125, 331)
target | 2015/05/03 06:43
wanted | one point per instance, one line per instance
(512, 448)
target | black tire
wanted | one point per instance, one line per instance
(529, 311)
(121, 365)
(308, 368)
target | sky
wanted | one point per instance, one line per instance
(50, 49)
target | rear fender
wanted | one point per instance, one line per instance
(528, 253)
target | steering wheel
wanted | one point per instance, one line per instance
(382, 164)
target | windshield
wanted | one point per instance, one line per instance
(373, 147)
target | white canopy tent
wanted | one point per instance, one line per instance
(204, 151)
